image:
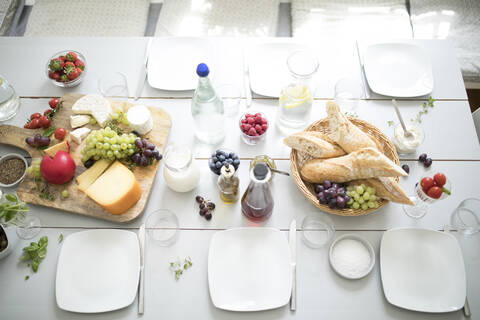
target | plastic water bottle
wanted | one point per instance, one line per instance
(207, 110)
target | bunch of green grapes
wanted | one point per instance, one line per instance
(107, 144)
(120, 116)
(362, 197)
(34, 170)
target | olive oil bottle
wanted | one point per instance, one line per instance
(228, 184)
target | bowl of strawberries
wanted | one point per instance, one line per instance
(66, 68)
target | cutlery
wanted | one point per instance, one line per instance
(466, 306)
(143, 72)
(141, 238)
(405, 131)
(246, 81)
(366, 89)
(292, 240)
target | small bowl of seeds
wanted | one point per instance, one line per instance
(13, 168)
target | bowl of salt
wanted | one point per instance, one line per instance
(352, 256)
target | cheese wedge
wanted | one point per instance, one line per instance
(79, 120)
(89, 176)
(95, 105)
(64, 145)
(77, 135)
(116, 190)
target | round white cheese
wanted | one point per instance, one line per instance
(140, 119)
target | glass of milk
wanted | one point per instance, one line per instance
(180, 170)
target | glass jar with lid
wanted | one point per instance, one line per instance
(296, 99)
(181, 171)
(9, 101)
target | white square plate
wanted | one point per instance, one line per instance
(398, 70)
(172, 63)
(249, 269)
(267, 67)
(422, 270)
(98, 271)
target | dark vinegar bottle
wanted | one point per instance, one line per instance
(257, 201)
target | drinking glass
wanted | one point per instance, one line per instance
(348, 93)
(9, 101)
(317, 230)
(422, 201)
(113, 84)
(230, 96)
(28, 226)
(296, 99)
(162, 227)
(466, 217)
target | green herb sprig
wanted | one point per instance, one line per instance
(424, 111)
(351, 114)
(179, 267)
(52, 113)
(35, 252)
(12, 210)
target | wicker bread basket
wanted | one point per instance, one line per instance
(297, 159)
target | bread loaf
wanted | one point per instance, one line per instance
(348, 136)
(360, 164)
(387, 188)
(314, 143)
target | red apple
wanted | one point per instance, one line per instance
(58, 170)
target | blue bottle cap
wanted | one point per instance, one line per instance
(202, 70)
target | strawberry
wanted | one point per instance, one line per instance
(71, 56)
(62, 58)
(73, 74)
(55, 64)
(63, 78)
(79, 70)
(79, 63)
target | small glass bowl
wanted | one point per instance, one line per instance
(74, 82)
(252, 140)
(317, 230)
(14, 156)
(162, 227)
(367, 245)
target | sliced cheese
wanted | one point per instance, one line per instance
(78, 134)
(140, 119)
(95, 105)
(79, 120)
(64, 145)
(116, 190)
(89, 176)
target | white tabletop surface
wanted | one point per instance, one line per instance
(450, 140)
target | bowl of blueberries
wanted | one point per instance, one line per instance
(222, 157)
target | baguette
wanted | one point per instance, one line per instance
(314, 143)
(347, 135)
(387, 188)
(361, 164)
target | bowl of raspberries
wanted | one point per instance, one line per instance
(253, 126)
(66, 68)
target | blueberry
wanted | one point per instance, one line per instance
(428, 162)
(213, 155)
(221, 158)
(406, 168)
(235, 157)
(231, 155)
(218, 164)
(229, 161)
(236, 162)
(211, 165)
(214, 159)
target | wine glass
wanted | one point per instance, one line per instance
(422, 201)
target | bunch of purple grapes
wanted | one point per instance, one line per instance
(332, 194)
(38, 141)
(145, 154)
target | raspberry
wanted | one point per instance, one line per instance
(251, 120)
(264, 121)
(258, 127)
(264, 127)
(247, 126)
(258, 114)
(258, 120)
(248, 115)
(244, 121)
(252, 132)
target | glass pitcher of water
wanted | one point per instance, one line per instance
(297, 97)
(9, 101)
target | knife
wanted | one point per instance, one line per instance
(141, 238)
(246, 81)
(292, 240)
(143, 72)
(366, 88)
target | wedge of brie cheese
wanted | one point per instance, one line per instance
(79, 120)
(140, 119)
(79, 134)
(95, 105)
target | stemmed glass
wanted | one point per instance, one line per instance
(27, 225)
(422, 201)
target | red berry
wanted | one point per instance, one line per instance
(61, 58)
(79, 64)
(252, 132)
(51, 74)
(258, 127)
(426, 184)
(248, 115)
(264, 121)
(264, 127)
(434, 192)
(72, 75)
(258, 120)
(258, 114)
(247, 126)
(244, 120)
(440, 179)
(260, 132)
(251, 120)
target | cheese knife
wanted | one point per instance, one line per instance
(292, 240)
(141, 238)
(143, 72)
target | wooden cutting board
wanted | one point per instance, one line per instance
(78, 202)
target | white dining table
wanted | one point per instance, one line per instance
(450, 140)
